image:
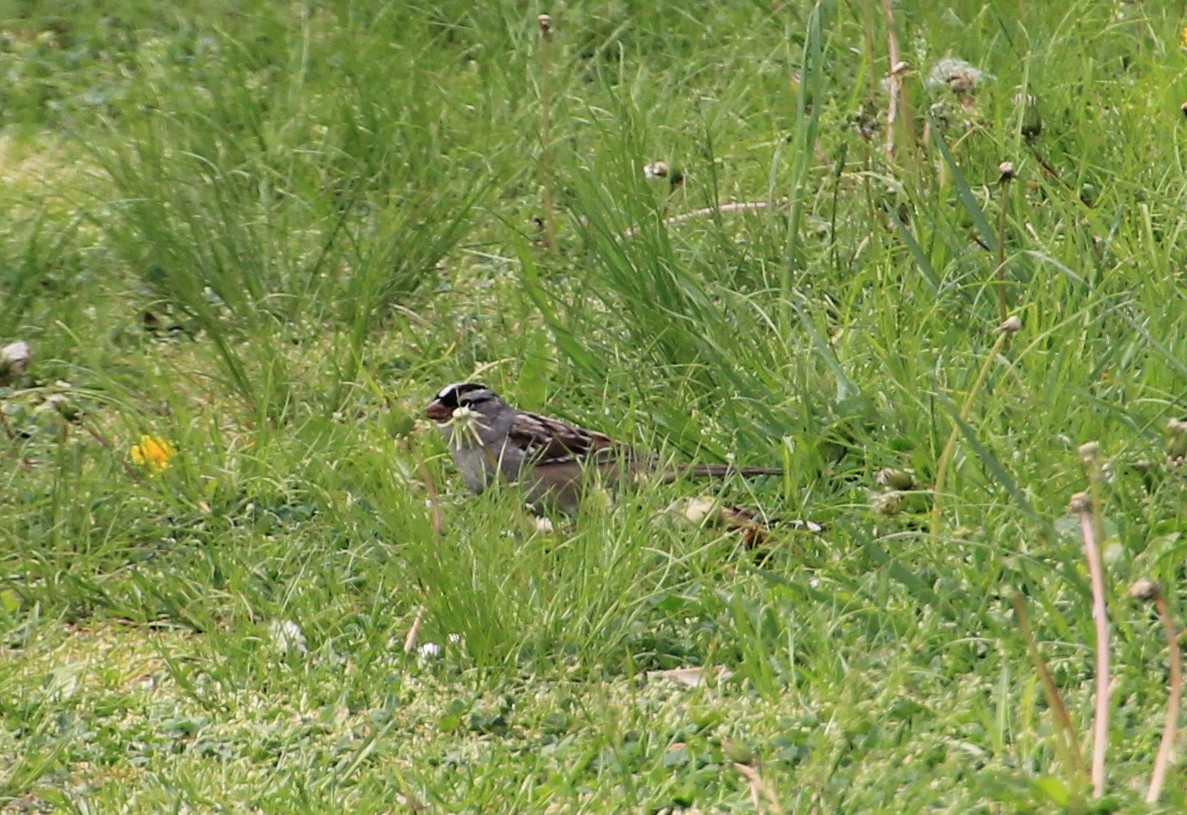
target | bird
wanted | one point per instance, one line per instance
(551, 459)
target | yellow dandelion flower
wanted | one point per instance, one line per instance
(1183, 35)
(153, 452)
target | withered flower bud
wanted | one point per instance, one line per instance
(656, 169)
(14, 360)
(1012, 325)
(1090, 452)
(1032, 120)
(895, 479)
(1145, 590)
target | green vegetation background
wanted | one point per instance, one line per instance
(267, 233)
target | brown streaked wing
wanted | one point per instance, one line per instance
(546, 439)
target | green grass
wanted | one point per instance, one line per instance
(269, 233)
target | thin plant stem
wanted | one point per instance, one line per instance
(1081, 504)
(1007, 177)
(546, 170)
(1063, 719)
(897, 69)
(1046, 165)
(1148, 590)
(414, 630)
(103, 440)
(760, 790)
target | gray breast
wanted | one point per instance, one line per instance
(480, 461)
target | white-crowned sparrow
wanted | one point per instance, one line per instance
(549, 458)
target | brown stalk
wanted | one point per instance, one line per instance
(414, 631)
(1162, 761)
(1063, 720)
(1007, 175)
(898, 98)
(546, 170)
(759, 789)
(1081, 503)
(103, 440)
(1149, 591)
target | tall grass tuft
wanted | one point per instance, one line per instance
(273, 194)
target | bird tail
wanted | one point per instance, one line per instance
(718, 471)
